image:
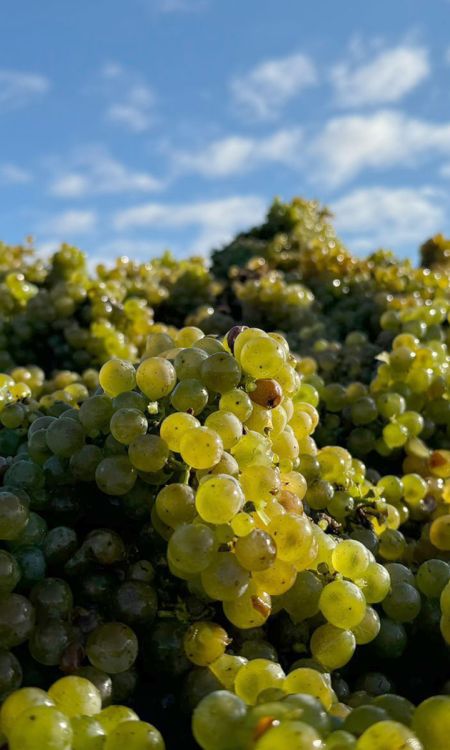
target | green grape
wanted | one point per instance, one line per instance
(340, 740)
(156, 378)
(175, 504)
(127, 425)
(399, 573)
(115, 475)
(256, 551)
(187, 363)
(302, 599)
(399, 709)
(14, 515)
(363, 411)
(250, 610)
(292, 535)
(319, 494)
(117, 376)
(59, 545)
(148, 453)
(173, 428)
(351, 559)
(76, 696)
(135, 602)
(390, 405)
(402, 603)
(130, 400)
(9, 572)
(52, 595)
(17, 619)
(227, 426)
(440, 532)
(88, 734)
(112, 647)
(261, 357)
(101, 680)
(363, 717)
(49, 640)
(220, 372)
(109, 718)
(238, 402)
(343, 604)
(293, 734)
(391, 487)
(10, 673)
(135, 735)
(260, 483)
(225, 579)
(225, 669)
(219, 498)
(204, 642)
(41, 726)
(431, 722)
(217, 720)
(95, 414)
(255, 677)
(392, 544)
(368, 628)
(332, 647)
(189, 396)
(311, 682)
(278, 579)
(432, 577)
(209, 344)
(65, 437)
(391, 641)
(201, 447)
(388, 735)
(258, 650)
(191, 548)
(18, 702)
(414, 488)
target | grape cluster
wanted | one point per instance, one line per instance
(249, 526)
(70, 716)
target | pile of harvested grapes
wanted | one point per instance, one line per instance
(225, 497)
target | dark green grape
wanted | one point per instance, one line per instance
(10, 673)
(136, 603)
(17, 618)
(112, 647)
(59, 545)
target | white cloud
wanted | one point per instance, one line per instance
(347, 145)
(11, 174)
(264, 90)
(96, 172)
(132, 100)
(445, 170)
(237, 154)
(19, 88)
(70, 223)
(386, 78)
(389, 217)
(215, 220)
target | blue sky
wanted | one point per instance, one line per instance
(128, 126)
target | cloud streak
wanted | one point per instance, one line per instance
(267, 88)
(132, 101)
(19, 88)
(389, 217)
(239, 154)
(96, 172)
(215, 221)
(385, 79)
